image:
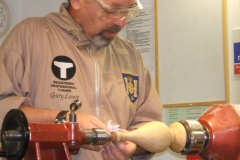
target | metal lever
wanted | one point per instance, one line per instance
(73, 107)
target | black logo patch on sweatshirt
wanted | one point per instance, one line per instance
(63, 67)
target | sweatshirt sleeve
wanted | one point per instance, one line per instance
(149, 107)
(14, 79)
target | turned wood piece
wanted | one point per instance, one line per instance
(153, 136)
(179, 137)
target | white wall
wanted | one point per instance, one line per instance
(233, 23)
(21, 9)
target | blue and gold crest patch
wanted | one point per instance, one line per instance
(132, 86)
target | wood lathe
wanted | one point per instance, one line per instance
(214, 136)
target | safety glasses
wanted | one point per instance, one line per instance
(107, 12)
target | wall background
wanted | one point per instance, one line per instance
(190, 51)
(21, 9)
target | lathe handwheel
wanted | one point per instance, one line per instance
(15, 120)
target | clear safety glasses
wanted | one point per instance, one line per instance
(107, 12)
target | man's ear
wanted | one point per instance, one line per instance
(75, 4)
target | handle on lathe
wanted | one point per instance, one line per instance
(153, 136)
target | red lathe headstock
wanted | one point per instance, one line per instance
(46, 141)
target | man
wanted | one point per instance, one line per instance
(47, 63)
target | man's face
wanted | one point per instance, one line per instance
(102, 20)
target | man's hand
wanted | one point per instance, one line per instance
(87, 121)
(94, 147)
(119, 151)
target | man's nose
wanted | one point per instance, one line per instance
(121, 22)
